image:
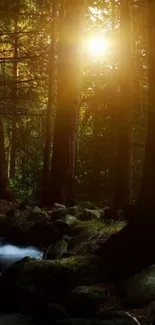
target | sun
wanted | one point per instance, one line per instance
(97, 46)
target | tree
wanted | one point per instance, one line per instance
(14, 93)
(130, 250)
(62, 176)
(147, 192)
(5, 191)
(51, 101)
(123, 190)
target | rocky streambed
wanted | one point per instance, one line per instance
(68, 283)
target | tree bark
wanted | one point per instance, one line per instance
(50, 106)
(131, 250)
(5, 191)
(95, 185)
(123, 190)
(62, 176)
(14, 96)
(147, 192)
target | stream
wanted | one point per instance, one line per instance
(10, 253)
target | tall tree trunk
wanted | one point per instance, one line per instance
(62, 176)
(147, 192)
(51, 104)
(14, 101)
(124, 155)
(5, 191)
(95, 185)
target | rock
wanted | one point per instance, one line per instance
(140, 288)
(38, 216)
(59, 206)
(51, 313)
(67, 238)
(11, 218)
(87, 205)
(31, 283)
(27, 202)
(27, 207)
(59, 213)
(85, 248)
(109, 318)
(56, 250)
(15, 319)
(74, 210)
(36, 209)
(88, 214)
(108, 214)
(5, 206)
(81, 237)
(85, 300)
(13, 213)
(63, 227)
(70, 220)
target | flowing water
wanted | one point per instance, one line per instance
(10, 253)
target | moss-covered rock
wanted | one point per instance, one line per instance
(38, 216)
(74, 210)
(59, 206)
(5, 206)
(108, 214)
(87, 205)
(140, 288)
(59, 213)
(88, 214)
(56, 250)
(85, 300)
(70, 220)
(29, 283)
(82, 237)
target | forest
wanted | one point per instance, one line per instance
(77, 157)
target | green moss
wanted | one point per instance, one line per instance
(87, 205)
(114, 226)
(99, 225)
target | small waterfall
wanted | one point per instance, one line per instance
(10, 253)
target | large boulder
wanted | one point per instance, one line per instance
(140, 288)
(82, 237)
(87, 299)
(28, 284)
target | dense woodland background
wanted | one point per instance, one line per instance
(51, 86)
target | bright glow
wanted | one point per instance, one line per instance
(97, 46)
